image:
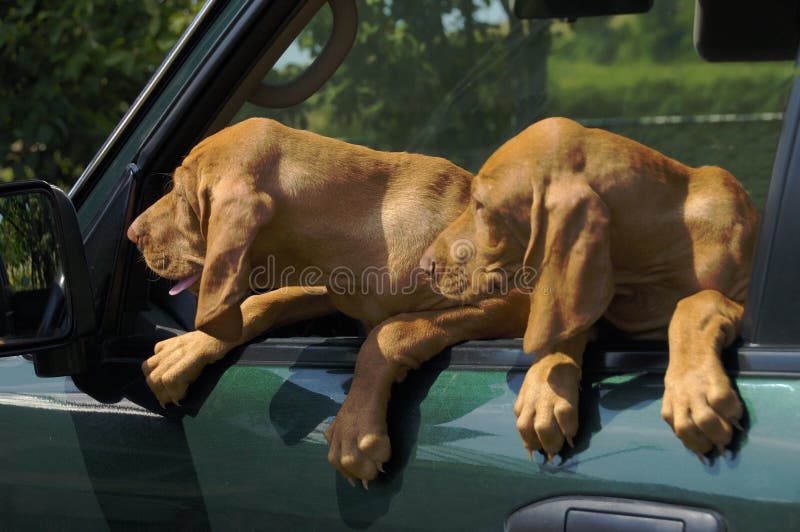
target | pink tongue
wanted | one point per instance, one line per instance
(183, 285)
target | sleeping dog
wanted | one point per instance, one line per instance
(613, 229)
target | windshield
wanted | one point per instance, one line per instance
(458, 78)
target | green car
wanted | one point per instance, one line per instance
(85, 444)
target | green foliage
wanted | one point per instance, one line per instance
(27, 242)
(414, 70)
(70, 69)
(662, 35)
(454, 78)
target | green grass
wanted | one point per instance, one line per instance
(633, 89)
(747, 150)
(628, 90)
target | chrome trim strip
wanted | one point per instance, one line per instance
(508, 354)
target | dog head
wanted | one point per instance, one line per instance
(200, 234)
(532, 224)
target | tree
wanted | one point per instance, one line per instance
(70, 69)
(417, 66)
(27, 242)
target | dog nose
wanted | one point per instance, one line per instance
(133, 236)
(426, 262)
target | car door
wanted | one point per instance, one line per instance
(246, 449)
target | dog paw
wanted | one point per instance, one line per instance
(178, 362)
(547, 405)
(702, 408)
(359, 443)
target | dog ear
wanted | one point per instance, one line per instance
(234, 215)
(570, 252)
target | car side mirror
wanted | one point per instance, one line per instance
(46, 300)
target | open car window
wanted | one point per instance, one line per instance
(459, 82)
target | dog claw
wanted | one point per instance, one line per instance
(701, 457)
(530, 455)
(721, 450)
(735, 423)
(365, 483)
(550, 458)
(351, 481)
(570, 442)
(380, 468)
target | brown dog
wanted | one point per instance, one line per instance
(610, 228)
(341, 227)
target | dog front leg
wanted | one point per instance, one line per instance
(547, 404)
(699, 403)
(358, 438)
(177, 362)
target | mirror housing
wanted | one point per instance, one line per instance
(746, 31)
(573, 9)
(45, 289)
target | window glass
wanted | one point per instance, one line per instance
(458, 78)
(305, 48)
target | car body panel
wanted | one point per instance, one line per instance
(459, 460)
(254, 456)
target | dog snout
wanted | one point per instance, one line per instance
(431, 262)
(133, 234)
(427, 263)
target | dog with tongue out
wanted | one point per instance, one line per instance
(180, 286)
(260, 193)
